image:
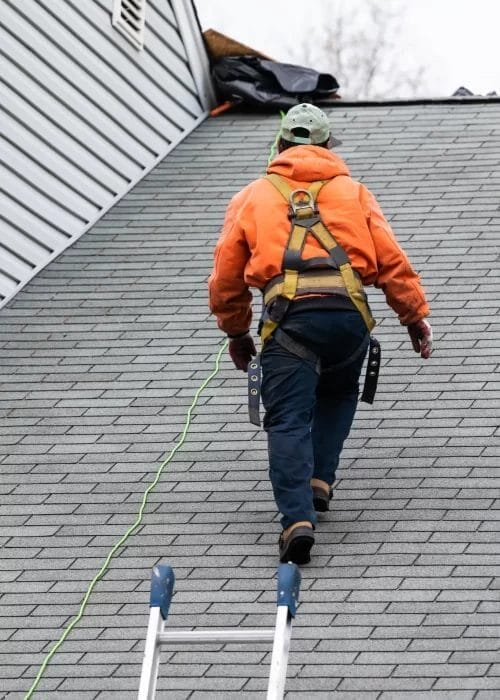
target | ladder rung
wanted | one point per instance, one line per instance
(206, 636)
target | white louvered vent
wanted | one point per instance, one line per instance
(128, 18)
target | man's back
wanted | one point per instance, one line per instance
(257, 229)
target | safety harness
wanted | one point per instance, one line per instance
(332, 275)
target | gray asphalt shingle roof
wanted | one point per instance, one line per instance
(100, 357)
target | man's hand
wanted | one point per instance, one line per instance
(421, 337)
(242, 349)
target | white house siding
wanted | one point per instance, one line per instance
(84, 115)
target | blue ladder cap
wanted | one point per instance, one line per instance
(289, 586)
(162, 587)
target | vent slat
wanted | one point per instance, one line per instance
(132, 3)
(129, 19)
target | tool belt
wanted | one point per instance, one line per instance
(330, 275)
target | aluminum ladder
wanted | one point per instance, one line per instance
(162, 586)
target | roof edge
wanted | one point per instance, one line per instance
(475, 99)
(192, 38)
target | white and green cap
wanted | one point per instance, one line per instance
(309, 118)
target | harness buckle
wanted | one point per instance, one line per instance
(278, 308)
(298, 207)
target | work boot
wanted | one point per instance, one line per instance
(322, 495)
(296, 541)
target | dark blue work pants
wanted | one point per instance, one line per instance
(308, 416)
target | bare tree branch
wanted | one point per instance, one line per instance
(358, 44)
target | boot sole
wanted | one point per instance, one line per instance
(298, 549)
(321, 499)
(321, 505)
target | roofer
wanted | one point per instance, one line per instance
(308, 237)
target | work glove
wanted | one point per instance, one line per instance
(242, 349)
(421, 337)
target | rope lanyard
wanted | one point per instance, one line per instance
(131, 529)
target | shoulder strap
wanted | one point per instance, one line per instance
(286, 191)
(281, 185)
(305, 219)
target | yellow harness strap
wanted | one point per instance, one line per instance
(303, 209)
(313, 282)
(351, 280)
(295, 244)
(285, 190)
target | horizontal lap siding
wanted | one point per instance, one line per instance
(84, 116)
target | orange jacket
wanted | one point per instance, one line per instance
(256, 231)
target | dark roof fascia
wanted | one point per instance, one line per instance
(476, 99)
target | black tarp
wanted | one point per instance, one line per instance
(258, 82)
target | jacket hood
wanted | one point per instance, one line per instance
(308, 164)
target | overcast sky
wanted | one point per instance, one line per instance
(458, 41)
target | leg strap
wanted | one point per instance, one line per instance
(286, 341)
(296, 348)
(254, 375)
(372, 370)
(354, 356)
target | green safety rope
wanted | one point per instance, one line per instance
(129, 532)
(138, 521)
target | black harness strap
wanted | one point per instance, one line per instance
(296, 348)
(354, 356)
(254, 390)
(286, 341)
(372, 370)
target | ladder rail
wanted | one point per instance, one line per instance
(279, 658)
(151, 660)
